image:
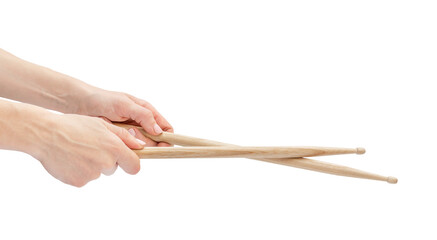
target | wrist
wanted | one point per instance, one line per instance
(39, 132)
(26, 128)
(72, 97)
(90, 102)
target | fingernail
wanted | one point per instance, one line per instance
(131, 131)
(141, 142)
(157, 129)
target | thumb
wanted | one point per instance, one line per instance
(126, 137)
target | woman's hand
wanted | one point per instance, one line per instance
(122, 107)
(27, 82)
(77, 149)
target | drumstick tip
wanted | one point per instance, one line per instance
(392, 180)
(361, 150)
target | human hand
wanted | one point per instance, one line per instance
(75, 149)
(52, 90)
(122, 107)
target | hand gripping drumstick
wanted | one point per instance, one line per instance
(303, 163)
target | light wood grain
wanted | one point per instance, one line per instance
(303, 163)
(241, 152)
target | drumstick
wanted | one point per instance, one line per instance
(242, 152)
(303, 163)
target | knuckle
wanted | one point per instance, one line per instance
(144, 103)
(135, 169)
(95, 175)
(121, 103)
(124, 133)
(109, 148)
(135, 165)
(107, 165)
(131, 164)
(147, 113)
(77, 182)
(83, 179)
(114, 151)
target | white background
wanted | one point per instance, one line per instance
(329, 73)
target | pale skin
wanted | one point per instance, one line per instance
(79, 145)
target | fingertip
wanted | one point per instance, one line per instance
(141, 143)
(147, 141)
(130, 140)
(157, 129)
(150, 130)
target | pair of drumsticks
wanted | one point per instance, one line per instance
(288, 156)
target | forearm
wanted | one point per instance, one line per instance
(22, 126)
(27, 82)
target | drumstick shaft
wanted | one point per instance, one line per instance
(303, 163)
(241, 152)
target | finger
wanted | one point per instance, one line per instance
(128, 160)
(145, 118)
(137, 133)
(149, 142)
(109, 172)
(125, 136)
(125, 157)
(162, 122)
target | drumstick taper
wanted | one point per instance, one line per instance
(303, 163)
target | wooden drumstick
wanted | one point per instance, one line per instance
(303, 163)
(242, 152)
